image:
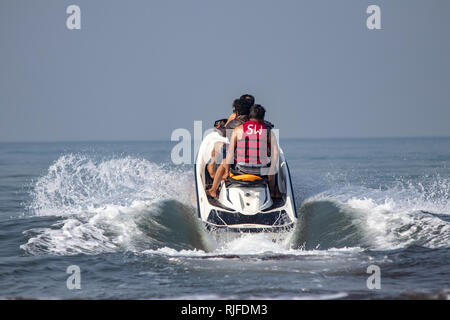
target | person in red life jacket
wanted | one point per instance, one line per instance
(253, 149)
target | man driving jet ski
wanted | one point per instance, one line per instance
(246, 101)
(241, 109)
(253, 150)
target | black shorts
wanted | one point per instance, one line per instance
(224, 151)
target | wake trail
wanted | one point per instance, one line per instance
(132, 204)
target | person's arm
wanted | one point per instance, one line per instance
(274, 154)
(231, 149)
(231, 117)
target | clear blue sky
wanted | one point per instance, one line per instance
(139, 69)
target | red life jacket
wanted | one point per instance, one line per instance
(252, 148)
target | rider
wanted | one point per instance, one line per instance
(241, 111)
(247, 100)
(256, 151)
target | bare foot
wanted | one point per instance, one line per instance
(211, 193)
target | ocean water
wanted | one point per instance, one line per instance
(127, 218)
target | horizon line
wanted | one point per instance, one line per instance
(286, 138)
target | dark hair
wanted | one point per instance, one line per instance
(248, 100)
(240, 107)
(257, 112)
(220, 123)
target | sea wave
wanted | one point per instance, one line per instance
(131, 204)
(111, 205)
(377, 219)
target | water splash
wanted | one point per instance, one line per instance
(407, 214)
(110, 205)
(77, 183)
(130, 204)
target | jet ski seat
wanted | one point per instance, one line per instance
(245, 177)
(246, 180)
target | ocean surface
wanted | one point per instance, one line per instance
(127, 217)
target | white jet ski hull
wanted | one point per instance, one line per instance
(243, 208)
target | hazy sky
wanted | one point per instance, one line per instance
(139, 69)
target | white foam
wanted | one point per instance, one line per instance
(99, 201)
(396, 217)
(251, 245)
(78, 183)
(329, 296)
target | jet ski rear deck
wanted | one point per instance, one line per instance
(243, 206)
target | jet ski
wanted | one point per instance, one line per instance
(244, 203)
